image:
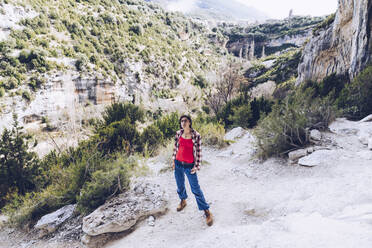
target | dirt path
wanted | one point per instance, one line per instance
(271, 204)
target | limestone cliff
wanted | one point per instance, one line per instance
(344, 47)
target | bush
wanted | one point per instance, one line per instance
(118, 135)
(355, 99)
(212, 133)
(26, 95)
(168, 125)
(137, 29)
(119, 111)
(105, 183)
(287, 127)
(151, 139)
(200, 81)
(2, 92)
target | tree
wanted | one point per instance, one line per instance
(227, 85)
(18, 166)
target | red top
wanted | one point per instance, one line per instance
(185, 150)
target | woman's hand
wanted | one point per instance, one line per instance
(174, 165)
(193, 170)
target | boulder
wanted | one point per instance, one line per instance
(297, 154)
(121, 213)
(316, 158)
(3, 220)
(234, 134)
(315, 135)
(50, 222)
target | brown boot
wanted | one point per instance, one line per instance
(182, 205)
(209, 217)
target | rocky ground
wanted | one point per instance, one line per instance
(327, 203)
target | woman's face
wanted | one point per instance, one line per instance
(185, 123)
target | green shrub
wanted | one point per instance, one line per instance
(118, 136)
(151, 139)
(324, 24)
(137, 29)
(119, 111)
(355, 99)
(168, 125)
(200, 81)
(212, 133)
(2, 92)
(287, 126)
(103, 184)
(242, 116)
(81, 63)
(26, 95)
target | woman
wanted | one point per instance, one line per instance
(187, 158)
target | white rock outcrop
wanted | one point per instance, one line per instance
(234, 134)
(50, 222)
(123, 212)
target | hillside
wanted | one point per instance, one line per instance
(62, 62)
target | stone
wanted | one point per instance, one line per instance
(297, 154)
(370, 143)
(316, 158)
(367, 118)
(234, 134)
(3, 220)
(151, 221)
(315, 135)
(50, 222)
(121, 213)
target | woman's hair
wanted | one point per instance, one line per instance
(185, 116)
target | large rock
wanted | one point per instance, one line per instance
(234, 134)
(315, 135)
(294, 156)
(122, 212)
(344, 48)
(319, 157)
(50, 222)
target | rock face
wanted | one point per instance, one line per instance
(343, 48)
(122, 212)
(50, 222)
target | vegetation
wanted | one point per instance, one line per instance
(324, 24)
(139, 31)
(355, 99)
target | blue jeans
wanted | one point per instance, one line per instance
(179, 174)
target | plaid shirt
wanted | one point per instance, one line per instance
(196, 140)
